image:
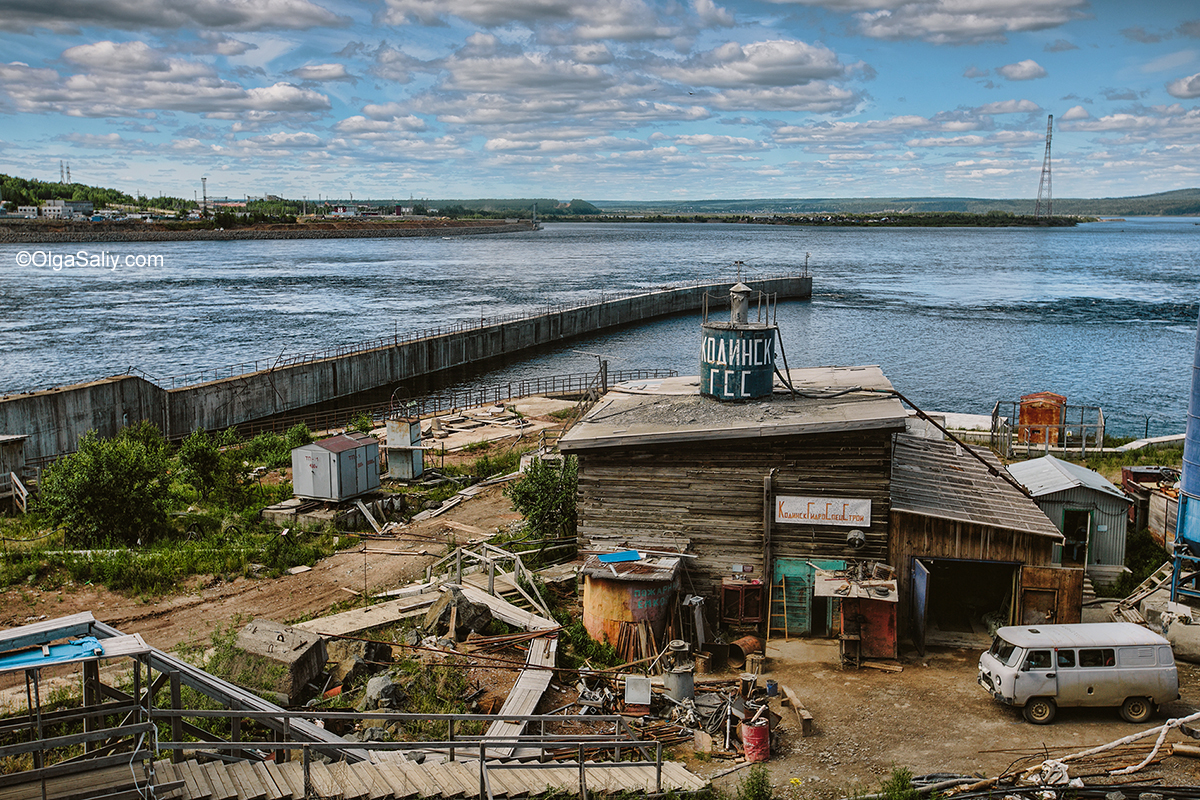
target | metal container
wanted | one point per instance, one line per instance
(337, 468)
(1187, 530)
(737, 358)
(609, 602)
(739, 649)
(737, 363)
(405, 456)
(680, 684)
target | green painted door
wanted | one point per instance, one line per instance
(792, 595)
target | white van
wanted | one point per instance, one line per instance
(1042, 667)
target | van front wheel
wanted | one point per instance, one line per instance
(1137, 709)
(1040, 710)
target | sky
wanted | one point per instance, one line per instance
(602, 99)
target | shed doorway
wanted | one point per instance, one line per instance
(956, 601)
(1076, 527)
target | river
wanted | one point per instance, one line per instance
(1104, 313)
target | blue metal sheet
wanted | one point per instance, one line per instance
(616, 558)
(76, 650)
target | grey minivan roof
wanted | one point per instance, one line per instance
(1098, 634)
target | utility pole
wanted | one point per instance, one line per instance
(1045, 198)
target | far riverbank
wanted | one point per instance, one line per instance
(49, 232)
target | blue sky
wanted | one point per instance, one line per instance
(602, 99)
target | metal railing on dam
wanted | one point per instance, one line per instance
(210, 374)
(54, 419)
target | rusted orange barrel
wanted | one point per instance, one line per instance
(739, 649)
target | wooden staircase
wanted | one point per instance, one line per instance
(394, 778)
(1127, 610)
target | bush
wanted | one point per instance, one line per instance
(756, 785)
(899, 785)
(111, 490)
(546, 497)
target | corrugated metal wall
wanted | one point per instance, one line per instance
(1109, 518)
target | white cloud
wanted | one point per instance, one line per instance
(817, 97)
(1026, 70)
(1170, 62)
(622, 20)
(1009, 107)
(362, 126)
(710, 143)
(130, 79)
(952, 21)
(1185, 88)
(782, 63)
(230, 15)
(323, 72)
(1074, 113)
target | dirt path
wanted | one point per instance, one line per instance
(932, 718)
(209, 601)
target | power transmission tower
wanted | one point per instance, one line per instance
(61, 176)
(1045, 198)
(68, 173)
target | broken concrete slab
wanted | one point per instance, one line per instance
(284, 659)
(468, 616)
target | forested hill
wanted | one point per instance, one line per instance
(1181, 202)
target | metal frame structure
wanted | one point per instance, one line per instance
(1080, 436)
(1045, 193)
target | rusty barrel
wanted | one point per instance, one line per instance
(740, 648)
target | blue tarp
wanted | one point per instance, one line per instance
(75, 650)
(616, 558)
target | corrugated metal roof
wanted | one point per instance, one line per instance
(1047, 475)
(830, 400)
(648, 568)
(936, 478)
(344, 441)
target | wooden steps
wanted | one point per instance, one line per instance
(385, 779)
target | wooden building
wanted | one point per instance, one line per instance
(762, 490)
(1091, 513)
(774, 489)
(972, 550)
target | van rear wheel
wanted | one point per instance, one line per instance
(1040, 710)
(1137, 709)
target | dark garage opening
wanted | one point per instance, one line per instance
(965, 598)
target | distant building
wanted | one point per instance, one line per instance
(66, 209)
(29, 212)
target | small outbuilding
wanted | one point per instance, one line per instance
(338, 468)
(1091, 513)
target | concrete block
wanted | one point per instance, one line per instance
(283, 659)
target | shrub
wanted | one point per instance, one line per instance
(756, 784)
(111, 490)
(546, 497)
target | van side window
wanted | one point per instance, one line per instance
(1038, 659)
(1105, 657)
(1066, 658)
(1136, 656)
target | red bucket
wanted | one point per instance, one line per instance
(756, 739)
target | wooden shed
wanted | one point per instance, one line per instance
(1091, 513)
(972, 549)
(763, 490)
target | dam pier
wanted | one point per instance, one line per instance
(53, 420)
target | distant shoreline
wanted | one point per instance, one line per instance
(157, 232)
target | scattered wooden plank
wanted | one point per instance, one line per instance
(804, 719)
(297, 570)
(360, 619)
(882, 666)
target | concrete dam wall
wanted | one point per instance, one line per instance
(54, 419)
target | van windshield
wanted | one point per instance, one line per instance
(1004, 652)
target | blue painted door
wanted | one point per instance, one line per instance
(792, 595)
(920, 602)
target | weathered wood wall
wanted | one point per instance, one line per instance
(711, 493)
(913, 535)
